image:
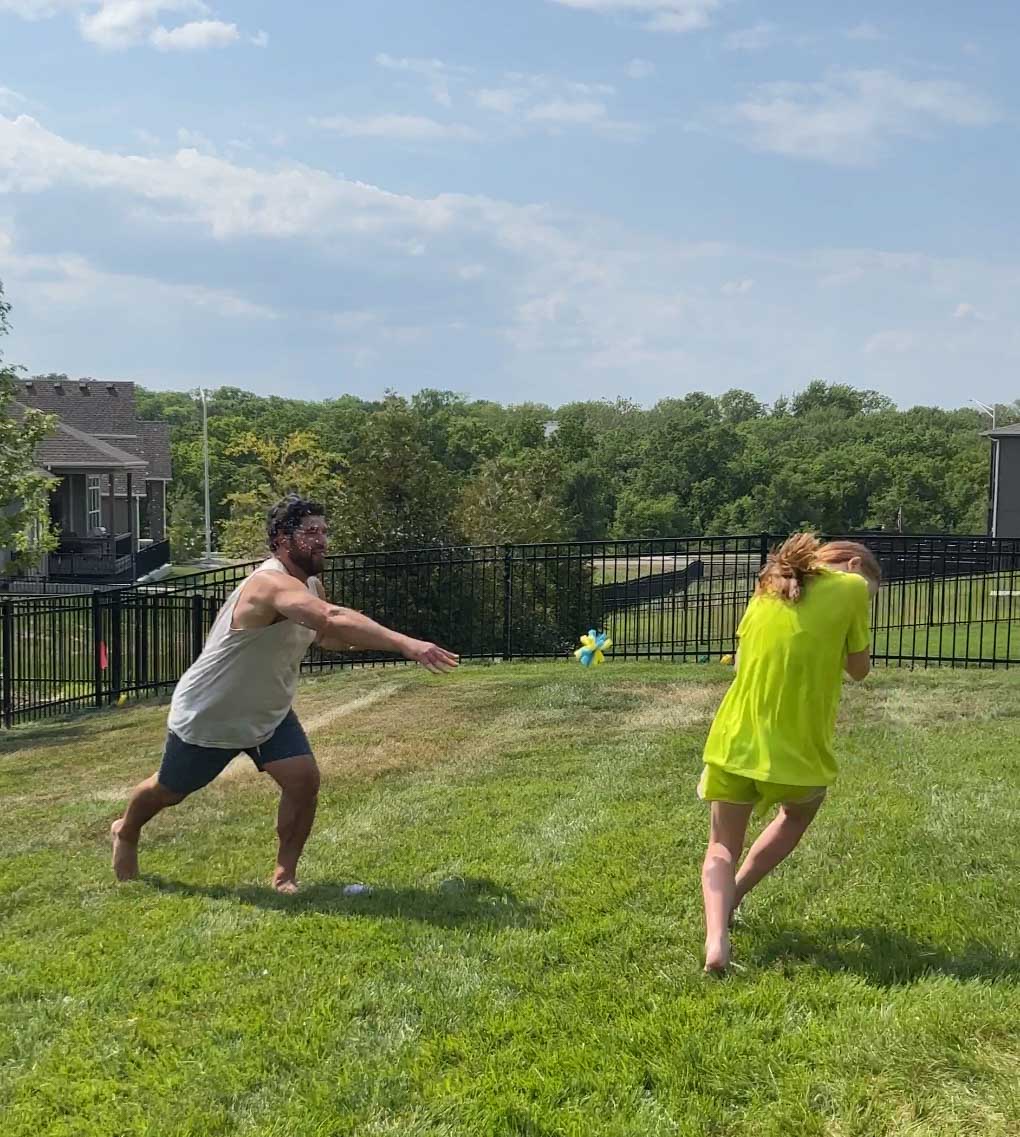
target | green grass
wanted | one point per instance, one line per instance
(953, 620)
(529, 963)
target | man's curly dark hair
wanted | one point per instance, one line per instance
(285, 517)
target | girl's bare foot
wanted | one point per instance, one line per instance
(717, 955)
(285, 883)
(125, 854)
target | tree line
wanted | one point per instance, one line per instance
(439, 468)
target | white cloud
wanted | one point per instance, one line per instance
(402, 127)
(756, 38)
(37, 9)
(9, 99)
(120, 24)
(548, 101)
(553, 103)
(194, 139)
(560, 114)
(199, 35)
(894, 342)
(570, 304)
(260, 39)
(502, 100)
(439, 76)
(968, 313)
(656, 15)
(230, 200)
(72, 282)
(639, 69)
(865, 32)
(850, 116)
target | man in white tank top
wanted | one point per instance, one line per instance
(236, 697)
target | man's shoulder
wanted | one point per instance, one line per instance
(266, 583)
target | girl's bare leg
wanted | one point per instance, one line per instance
(718, 879)
(775, 843)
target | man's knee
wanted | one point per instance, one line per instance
(160, 794)
(298, 777)
(308, 785)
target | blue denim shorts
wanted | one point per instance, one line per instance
(186, 768)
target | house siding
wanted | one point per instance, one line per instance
(1007, 510)
(157, 510)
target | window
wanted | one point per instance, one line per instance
(95, 514)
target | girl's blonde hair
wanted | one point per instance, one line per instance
(802, 555)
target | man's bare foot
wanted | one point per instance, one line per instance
(717, 955)
(125, 854)
(285, 883)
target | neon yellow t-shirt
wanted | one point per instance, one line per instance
(778, 719)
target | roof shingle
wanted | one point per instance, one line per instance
(101, 426)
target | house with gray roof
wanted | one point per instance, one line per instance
(111, 470)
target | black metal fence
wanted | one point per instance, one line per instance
(949, 601)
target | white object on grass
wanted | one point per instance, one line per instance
(357, 890)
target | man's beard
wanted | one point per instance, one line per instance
(308, 562)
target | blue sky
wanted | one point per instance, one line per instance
(520, 200)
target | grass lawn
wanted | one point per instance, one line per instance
(529, 960)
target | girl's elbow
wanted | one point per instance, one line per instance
(858, 666)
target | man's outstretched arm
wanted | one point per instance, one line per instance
(340, 629)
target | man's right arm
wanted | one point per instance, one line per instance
(339, 628)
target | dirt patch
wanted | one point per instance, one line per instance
(114, 793)
(677, 706)
(915, 705)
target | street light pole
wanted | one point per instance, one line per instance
(205, 463)
(993, 472)
(990, 411)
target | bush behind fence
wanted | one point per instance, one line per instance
(946, 601)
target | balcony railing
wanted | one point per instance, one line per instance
(152, 557)
(92, 557)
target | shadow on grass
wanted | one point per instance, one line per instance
(455, 902)
(72, 726)
(23, 739)
(883, 957)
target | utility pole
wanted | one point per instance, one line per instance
(205, 463)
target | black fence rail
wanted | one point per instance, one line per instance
(947, 601)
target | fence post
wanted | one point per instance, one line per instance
(197, 625)
(8, 663)
(141, 641)
(765, 544)
(97, 646)
(116, 661)
(508, 601)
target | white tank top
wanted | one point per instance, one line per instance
(241, 687)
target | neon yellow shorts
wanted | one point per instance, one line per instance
(717, 784)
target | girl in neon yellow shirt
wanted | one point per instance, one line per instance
(772, 739)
